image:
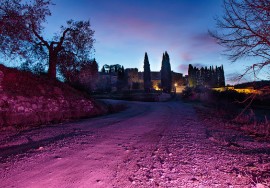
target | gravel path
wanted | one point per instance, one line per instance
(147, 145)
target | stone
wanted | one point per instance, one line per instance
(21, 98)
(4, 97)
(259, 185)
(1, 75)
(20, 108)
(34, 106)
(1, 79)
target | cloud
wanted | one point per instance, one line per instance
(128, 28)
(204, 37)
(185, 56)
(204, 43)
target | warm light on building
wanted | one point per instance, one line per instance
(248, 90)
(156, 84)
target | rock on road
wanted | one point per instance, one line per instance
(146, 145)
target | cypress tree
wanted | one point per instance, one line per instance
(103, 70)
(190, 68)
(169, 71)
(222, 77)
(166, 73)
(147, 74)
(211, 77)
(162, 72)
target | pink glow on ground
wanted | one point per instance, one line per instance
(146, 145)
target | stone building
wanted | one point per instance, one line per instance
(107, 82)
(132, 78)
(135, 79)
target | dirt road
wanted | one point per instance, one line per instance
(147, 145)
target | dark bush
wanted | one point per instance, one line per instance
(187, 93)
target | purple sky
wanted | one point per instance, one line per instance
(126, 29)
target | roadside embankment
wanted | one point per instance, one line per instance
(30, 100)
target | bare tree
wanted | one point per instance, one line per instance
(244, 32)
(21, 34)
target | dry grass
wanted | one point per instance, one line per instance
(249, 123)
(246, 135)
(23, 83)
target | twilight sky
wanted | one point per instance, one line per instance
(126, 29)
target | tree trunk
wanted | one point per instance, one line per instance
(52, 64)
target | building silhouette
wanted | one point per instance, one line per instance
(135, 79)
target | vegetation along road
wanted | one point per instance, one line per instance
(147, 145)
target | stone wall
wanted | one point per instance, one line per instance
(1, 80)
(17, 110)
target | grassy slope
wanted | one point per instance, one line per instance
(21, 83)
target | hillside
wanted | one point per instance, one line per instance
(27, 99)
(255, 84)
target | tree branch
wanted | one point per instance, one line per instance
(60, 43)
(40, 37)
